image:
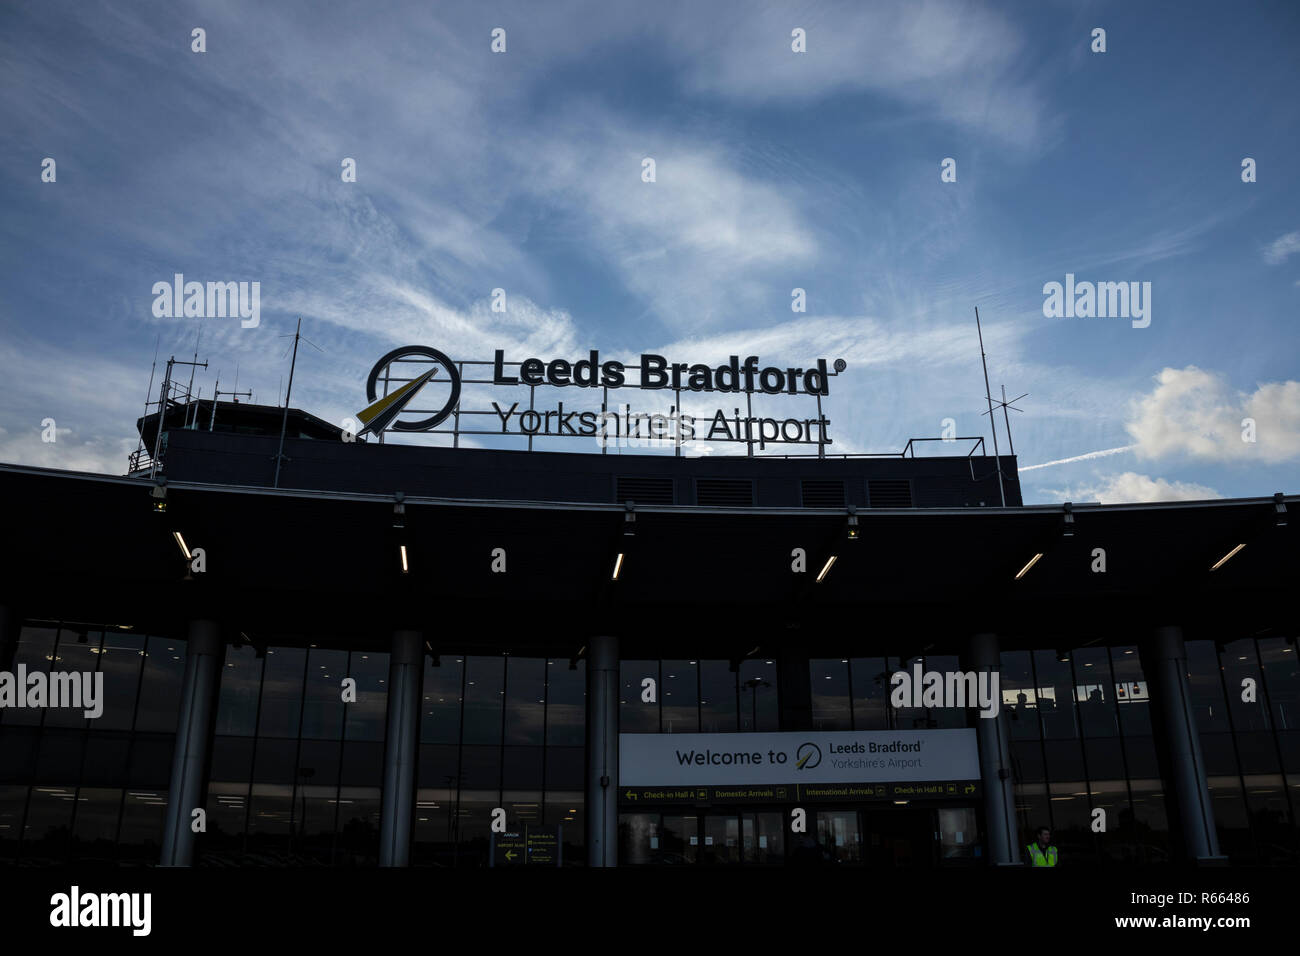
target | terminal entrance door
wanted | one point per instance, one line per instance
(713, 837)
(898, 837)
(880, 837)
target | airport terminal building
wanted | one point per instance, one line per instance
(324, 649)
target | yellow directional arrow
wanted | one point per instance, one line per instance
(630, 795)
(510, 854)
(376, 417)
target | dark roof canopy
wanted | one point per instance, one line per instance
(693, 580)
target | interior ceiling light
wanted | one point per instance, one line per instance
(1224, 560)
(406, 567)
(180, 541)
(1025, 570)
(618, 565)
(826, 568)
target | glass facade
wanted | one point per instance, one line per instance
(698, 696)
(90, 791)
(1082, 739)
(499, 731)
(296, 770)
(296, 767)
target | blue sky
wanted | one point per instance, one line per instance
(774, 170)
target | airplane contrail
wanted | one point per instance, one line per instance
(1092, 454)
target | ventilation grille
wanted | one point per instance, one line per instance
(819, 493)
(724, 492)
(644, 491)
(889, 492)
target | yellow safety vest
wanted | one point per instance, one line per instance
(1039, 858)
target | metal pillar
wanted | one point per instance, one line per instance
(1166, 668)
(185, 792)
(602, 752)
(993, 734)
(405, 674)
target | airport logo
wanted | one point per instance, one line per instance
(807, 757)
(218, 300)
(75, 909)
(76, 690)
(380, 414)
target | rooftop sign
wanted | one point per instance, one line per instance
(419, 389)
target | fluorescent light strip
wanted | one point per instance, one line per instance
(1224, 560)
(618, 565)
(1025, 569)
(181, 541)
(826, 568)
(405, 567)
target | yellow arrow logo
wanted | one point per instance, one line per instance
(377, 416)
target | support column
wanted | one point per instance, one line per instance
(405, 674)
(185, 791)
(994, 736)
(1166, 669)
(602, 752)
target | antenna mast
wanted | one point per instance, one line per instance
(989, 395)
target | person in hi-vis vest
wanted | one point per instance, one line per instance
(1041, 852)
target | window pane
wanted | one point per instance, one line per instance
(143, 817)
(759, 704)
(1282, 674)
(830, 694)
(35, 652)
(440, 715)
(680, 696)
(120, 662)
(366, 719)
(566, 698)
(322, 712)
(241, 683)
(525, 702)
(634, 715)
(160, 688)
(1055, 696)
(94, 835)
(282, 692)
(949, 716)
(1095, 692)
(77, 655)
(484, 699)
(718, 709)
(1206, 688)
(1239, 663)
(1019, 695)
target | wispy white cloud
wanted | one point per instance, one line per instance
(1282, 247)
(1129, 487)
